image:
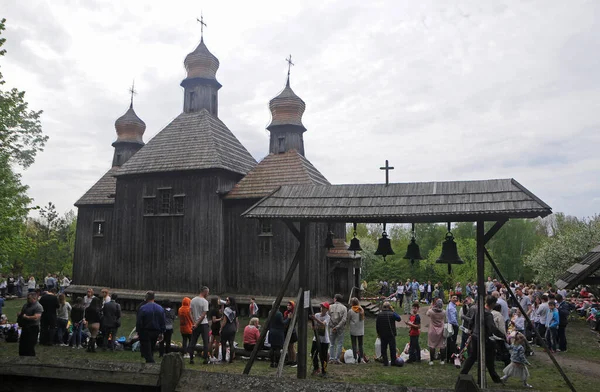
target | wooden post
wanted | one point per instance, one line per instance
(481, 291)
(302, 314)
(284, 286)
(288, 337)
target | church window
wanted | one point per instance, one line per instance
(149, 205)
(98, 229)
(164, 200)
(265, 247)
(192, 104)
(266, 228)
(179, 204)
(281, 141)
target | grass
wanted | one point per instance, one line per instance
(583, 346)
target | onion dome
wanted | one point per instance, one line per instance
(201, 63)
(130, 128)
(287, 108)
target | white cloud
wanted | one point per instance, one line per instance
(445, 91)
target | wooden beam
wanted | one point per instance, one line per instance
(293, 229)
(481, 375)
(493, 230)
(591, 280)
(302, 310)
(263, 333)
(527, 320)
(288, 337)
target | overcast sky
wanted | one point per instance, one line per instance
(445, 90)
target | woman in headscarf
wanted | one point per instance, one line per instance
(435, 337)
(287, 320)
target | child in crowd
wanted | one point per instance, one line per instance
(552, 326)
(185, 323)
(164, 346)
(414, 322)
(321, 347)
(518, 362)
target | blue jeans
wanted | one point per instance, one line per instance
(76, 337)
(61, 325)
(337, 340)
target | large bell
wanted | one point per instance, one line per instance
(355, 245)
(329, 240)
(385, 246)
(412, 251)
(354, 242)
(449, 253)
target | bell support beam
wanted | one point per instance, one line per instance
(302, 307)
(528, 321)
(288, 336)
(284, 285)
(481, 376)
(493, 230)
(293, 229)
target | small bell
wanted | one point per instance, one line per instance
(384, 248)
(449, 253)
(355, 243)
(329, 240)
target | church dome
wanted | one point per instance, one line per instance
(287, 108)
(130, 128)
(201, 63)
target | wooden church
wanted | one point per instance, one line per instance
(166, 216)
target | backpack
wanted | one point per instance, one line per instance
(12, 335)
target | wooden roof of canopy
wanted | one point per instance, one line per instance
(419, 202)
(584, 272)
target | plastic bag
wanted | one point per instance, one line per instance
(349, 356)
(377, 348)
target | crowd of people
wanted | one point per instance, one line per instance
(453, 330)
(18, 286)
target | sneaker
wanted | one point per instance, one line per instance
(205, 362)
(294, 364)
(442, 362)
(186, 356)
(527, 385)
(430, 363)
(80, 346)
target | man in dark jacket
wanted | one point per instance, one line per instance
(563, 320)
(111, 322)
(150, 325)
(48, 321)
(386, 330)
(490, 347)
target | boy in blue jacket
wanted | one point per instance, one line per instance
(552, 326)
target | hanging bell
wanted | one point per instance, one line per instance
(354, 243)
(412, 251)
(449, 253)
(329, 240)
(385, 246)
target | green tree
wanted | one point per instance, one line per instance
(571, 238)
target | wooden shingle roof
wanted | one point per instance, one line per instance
(192, 141)
(456, 201)
(581, 271)
(289, 168)
(102, 192)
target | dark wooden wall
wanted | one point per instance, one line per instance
(90, 263)
(250, 270)
(170, 253)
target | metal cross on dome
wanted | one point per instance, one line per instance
(289, 61)
(132, 92)
(202, 24)
(387, 169)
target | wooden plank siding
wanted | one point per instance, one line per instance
(92, 252)
(247, 269)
